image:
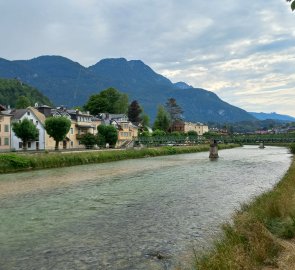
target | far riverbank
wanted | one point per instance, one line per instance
(15, 162)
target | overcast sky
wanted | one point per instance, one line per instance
(244, 51)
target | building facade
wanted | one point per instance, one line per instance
(5, 129)
(37, 119)
(185, 127)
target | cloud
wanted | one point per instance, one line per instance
(243, 52)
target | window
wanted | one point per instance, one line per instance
(72, 144)
(0, 128)
(0, 141)
(72, 131)
(37, 123)
(28, 113)
(20, 145)
(6, 128)
(29, 144)
(6, 141)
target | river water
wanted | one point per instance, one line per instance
(120, 215)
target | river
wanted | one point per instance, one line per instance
(120, 215)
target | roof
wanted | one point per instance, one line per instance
(18, 114)
(41, 117)
(2, 108)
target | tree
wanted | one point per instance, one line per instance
(107, 134)
(107, 101)
(89, 140)
(292, 4)
(57, 128)
(134, 112)
(26, 131)
(162, 121)
(158, 133)
(174, 110)
(22, 102)
(145, 120)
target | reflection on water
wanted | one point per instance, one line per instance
(122, 215)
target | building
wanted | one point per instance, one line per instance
(127, 131)
(5, 129)
(81, 123)
(36, 118)
(181, 126)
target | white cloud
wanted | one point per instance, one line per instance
(242, 52)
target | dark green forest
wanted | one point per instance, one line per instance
(12, 89)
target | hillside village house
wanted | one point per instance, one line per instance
(5, 119)
(182, 126)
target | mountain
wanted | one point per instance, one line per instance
(68, 83)
(273, 116)
(11, 89)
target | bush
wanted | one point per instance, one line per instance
(292, 148)
(89, 140)
(13, 161)
(158, 133)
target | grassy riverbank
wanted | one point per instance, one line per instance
(13, 162)
(255, 238)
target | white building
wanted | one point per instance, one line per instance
(33, 115)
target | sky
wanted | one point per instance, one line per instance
(244, 51)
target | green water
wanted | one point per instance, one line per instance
(119, 215)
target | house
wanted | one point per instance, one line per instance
(185, 127)
(5, 131)
(81, 123)
(36, 118)
(127, 131)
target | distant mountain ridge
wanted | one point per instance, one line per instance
(68, 83)
(273, 116)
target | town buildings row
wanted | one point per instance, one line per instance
(81, 123)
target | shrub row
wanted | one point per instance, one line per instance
(17, 162)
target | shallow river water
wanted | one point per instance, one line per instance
(120, 215)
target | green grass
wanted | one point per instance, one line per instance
(14, 162)
(250, 241)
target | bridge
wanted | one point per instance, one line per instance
(192, 140)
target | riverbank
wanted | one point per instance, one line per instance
(259, 235)
(14, 162)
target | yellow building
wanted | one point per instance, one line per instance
(5, 133)
(127, 132)
(81, 123)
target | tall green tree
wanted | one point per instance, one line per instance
(26, 131)
(57, 128)
(134, 112)
(107, 101)
(22, 102)
(162, 121)
(292, 4)
(174, 110)
(107, 134)
(145, 120)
